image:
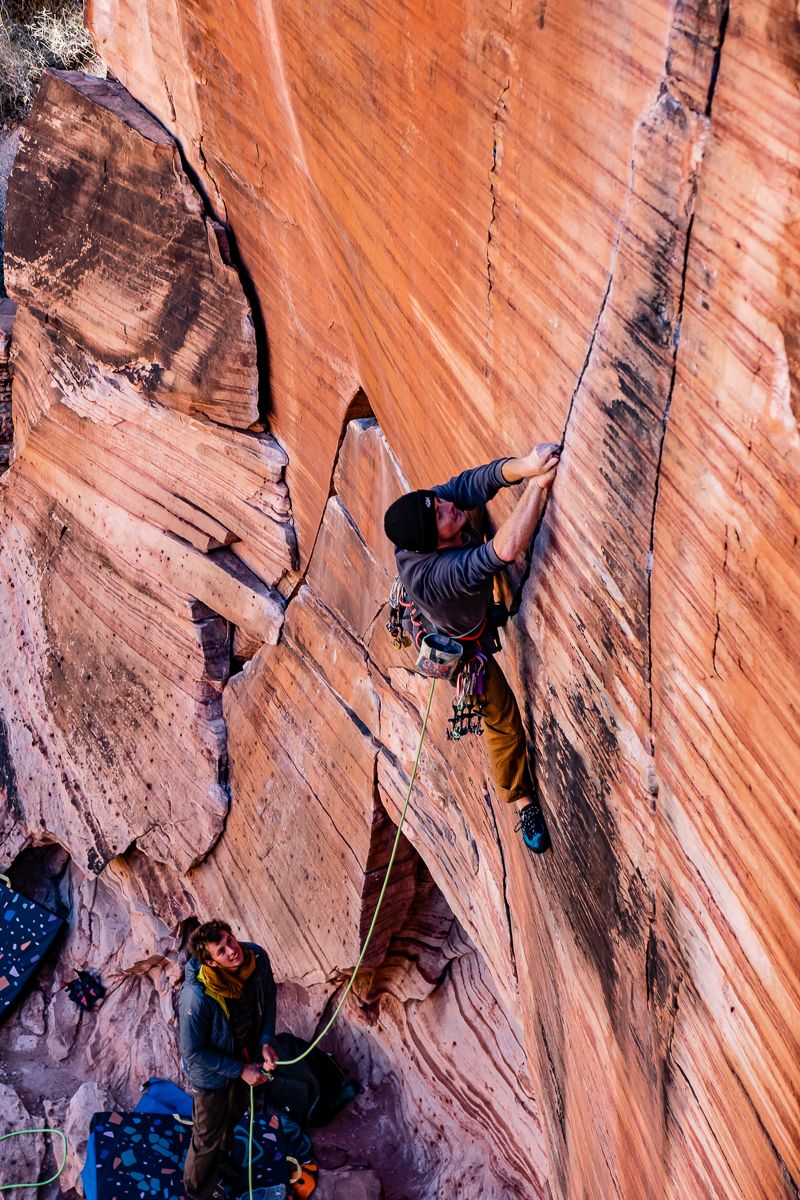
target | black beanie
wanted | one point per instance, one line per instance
(411, 522)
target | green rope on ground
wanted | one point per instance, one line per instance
(7, 1187)
(290, 1062)
(250, 1145)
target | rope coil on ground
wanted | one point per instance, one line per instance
(9, 1187)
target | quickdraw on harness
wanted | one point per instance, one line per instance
(469, 699)
(394, 626)
(442, 657)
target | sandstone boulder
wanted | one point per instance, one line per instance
(349, 1183)
(74, 1116)
(183, 523)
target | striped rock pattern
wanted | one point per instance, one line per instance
(498, 223)
(142, 552)
(137, 531)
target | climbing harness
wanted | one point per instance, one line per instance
(290, 1062)
(442, 657)
(8, 1187)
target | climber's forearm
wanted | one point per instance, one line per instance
(513, 470)
(516, 531)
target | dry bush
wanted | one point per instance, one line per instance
(35, 34)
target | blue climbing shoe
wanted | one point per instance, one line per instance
(534, 830)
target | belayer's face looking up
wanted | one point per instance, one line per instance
(449, 523)
(227, 952)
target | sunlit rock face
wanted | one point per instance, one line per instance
(178, 741)
(485, 227)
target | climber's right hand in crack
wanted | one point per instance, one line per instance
(538, 462)
(251, 1074)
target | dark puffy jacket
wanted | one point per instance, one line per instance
(208, 1048)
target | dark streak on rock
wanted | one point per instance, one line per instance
(588, 868)
(8, 776)
(500, 112)
(712, 85)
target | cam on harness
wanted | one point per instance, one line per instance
(462, 660)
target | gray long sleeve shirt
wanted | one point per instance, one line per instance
(453, 587)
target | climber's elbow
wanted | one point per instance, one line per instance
(505, 545)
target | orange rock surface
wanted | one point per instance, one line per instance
(489, 224)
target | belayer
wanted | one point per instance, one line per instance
(227, 1014)
(445, 585)
(227, 1010)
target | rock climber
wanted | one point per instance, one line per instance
(227, 1010)
(447, 570)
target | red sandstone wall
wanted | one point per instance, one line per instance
(499, 222)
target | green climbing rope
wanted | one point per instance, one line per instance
(290, 1062)
(8, 1187)
(250, 1145)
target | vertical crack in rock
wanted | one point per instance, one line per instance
(498, 120)
(172, 109)
(723, 29)
(559, 1096)
(531, 554)
(224, 784)
(499, 840)
(712, 85)
(592, 338)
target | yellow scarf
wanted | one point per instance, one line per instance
(221, 984)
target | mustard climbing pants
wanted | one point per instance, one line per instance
(505, 736)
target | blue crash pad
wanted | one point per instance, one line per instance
(133, 1156)
(27, 931)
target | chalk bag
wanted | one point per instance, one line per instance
(438, 656)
